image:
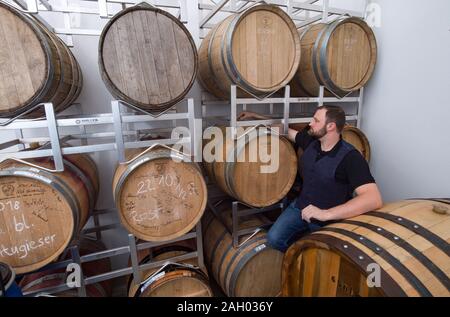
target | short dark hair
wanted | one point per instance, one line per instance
(334, 114)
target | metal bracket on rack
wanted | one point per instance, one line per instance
(287, 101)
(51, 124)
(119, 118)
(234, 230)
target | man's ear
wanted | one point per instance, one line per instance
(330, 125)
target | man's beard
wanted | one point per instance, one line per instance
(318, 134)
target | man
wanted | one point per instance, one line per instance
(332, 171)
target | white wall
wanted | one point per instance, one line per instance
(407, 102)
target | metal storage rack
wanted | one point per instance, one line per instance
(116, 119)
(237, 213)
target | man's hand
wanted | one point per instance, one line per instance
(245, 115)
(311, 212)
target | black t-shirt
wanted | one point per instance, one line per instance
(353, 169)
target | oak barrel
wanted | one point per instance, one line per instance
(350, 134)
(37, 66)
(43, 281)
(181, 279)
(407, 240)
(244, 174)
(341, 56)
(257, 50)
(251, 270)
(158, 197)
(147, 58)
(43, 211)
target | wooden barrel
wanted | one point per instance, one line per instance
(184, 279)
(341, 56)
(407, 240)
(358, 139)
(252, 270)
(147, 58)
(40, 281)
(350, 134)
(37, 66)
(257, 50)
(159, 198)
(42, 211)
(240, 172)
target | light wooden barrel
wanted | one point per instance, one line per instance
(350, 134)
(37, 66)
(172, 280)
(158, 198)
(147, 58)
(40, 281)
(341, 56)
(241, 176)
(252, 270)
(257, 50)
(358, 139)
(42, 211)
(408, 240)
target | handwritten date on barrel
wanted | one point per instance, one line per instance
(166, 181)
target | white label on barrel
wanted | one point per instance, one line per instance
(260, 247)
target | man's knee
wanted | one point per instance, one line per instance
(275, 241)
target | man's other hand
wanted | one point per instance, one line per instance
(246, 115)
(311, 212)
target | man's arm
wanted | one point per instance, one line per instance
(245, 115)
(367, 198)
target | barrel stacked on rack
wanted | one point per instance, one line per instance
(36, 66)
(257, 168)
(147, 58)
(173, 279)
(253, 269)
(340, 56)
(159, 196)
(401, 249)
(257, 50)
(42, 211)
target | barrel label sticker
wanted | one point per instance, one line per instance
(260, 247)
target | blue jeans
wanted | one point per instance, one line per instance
(288, 228)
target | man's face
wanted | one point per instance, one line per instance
(318, 126)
